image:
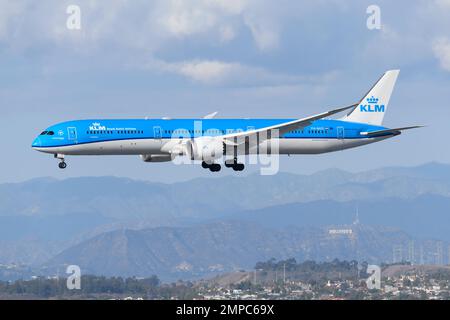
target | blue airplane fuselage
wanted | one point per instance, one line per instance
(80, 132)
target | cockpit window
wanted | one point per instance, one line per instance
(43, 133)
(50, 133)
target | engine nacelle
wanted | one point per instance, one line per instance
(156, 157)
(207, 149)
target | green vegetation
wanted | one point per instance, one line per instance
(97, 287)
(272, 279)
(315, 273)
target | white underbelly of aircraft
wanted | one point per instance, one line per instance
(153, 146)
(316, 146)
(114, 147)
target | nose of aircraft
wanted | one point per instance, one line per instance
(36, 143)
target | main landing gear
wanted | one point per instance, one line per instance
(235, 165)
(213, 167)
(62, 164)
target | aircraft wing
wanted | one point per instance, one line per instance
(282, 127)
(394, 131)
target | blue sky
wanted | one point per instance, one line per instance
(243, 58)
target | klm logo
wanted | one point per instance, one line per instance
(371, 106)
(96, 127)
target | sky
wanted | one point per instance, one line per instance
(242, 58)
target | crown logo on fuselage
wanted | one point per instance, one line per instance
(372, 105)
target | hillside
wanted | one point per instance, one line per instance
(204, 250)
(45, 216)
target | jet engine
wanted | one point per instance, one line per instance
(207, 149)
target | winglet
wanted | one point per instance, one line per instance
(211, 115)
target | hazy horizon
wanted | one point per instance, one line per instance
(250, 172)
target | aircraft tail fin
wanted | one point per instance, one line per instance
(373, 105)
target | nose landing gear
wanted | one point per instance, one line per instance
(62, 164)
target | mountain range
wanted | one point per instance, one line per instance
(125, 227)
(204, 250)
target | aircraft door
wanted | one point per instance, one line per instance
(72, 133)
(340, 133)
(157, 132)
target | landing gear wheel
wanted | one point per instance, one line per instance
(229, 164)
(215, 167)
(238, 167)
(205, 165)
(62, 165)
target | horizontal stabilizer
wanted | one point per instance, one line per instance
(394, 131)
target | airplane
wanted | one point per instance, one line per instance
(212, 140)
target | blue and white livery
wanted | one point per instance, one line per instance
(210, 140)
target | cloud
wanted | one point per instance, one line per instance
(208, 71)
(9, 10)
(443, 3)
(266, 35)
(234, 74)
(189, 17)
(227, 33)
(213, 41)
(441, 49)
(182, 18)
(142, 24)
